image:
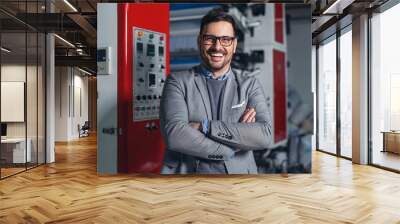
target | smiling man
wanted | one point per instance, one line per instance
(213, 117)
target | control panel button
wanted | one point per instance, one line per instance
(149, 73)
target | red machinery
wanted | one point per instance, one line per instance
(143, 62)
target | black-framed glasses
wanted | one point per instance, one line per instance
(225, 41)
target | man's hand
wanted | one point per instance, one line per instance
(249, 116)
(195, 125)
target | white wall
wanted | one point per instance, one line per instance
(107, 153)
(33, 126)
(16, 73)
(70, 83)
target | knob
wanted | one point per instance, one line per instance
(141, 80)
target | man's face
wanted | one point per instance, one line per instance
(215, 55)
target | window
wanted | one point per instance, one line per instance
(327, 96)
(346, 93)
(22, 64)
(385, 89)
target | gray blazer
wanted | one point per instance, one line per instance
(185, 99)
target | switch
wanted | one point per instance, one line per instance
(151, 36)
(141, 64)
(151, 65)
(141, 80)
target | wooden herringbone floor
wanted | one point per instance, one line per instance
(70, 191)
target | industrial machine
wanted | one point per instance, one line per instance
(134, 60)
(140, 69)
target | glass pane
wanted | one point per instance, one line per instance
(41, 98)
(385, 86)
(31, 98)
(327, 96)
(13, 87)
(346, 94)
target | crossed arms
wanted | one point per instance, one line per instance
(252, 132)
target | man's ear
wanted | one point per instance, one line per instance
(234, 45)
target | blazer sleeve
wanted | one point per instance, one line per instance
(246, 136)
(177, 133)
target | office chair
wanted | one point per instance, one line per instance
(84, 130)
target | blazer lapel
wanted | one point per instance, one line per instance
(202, 87)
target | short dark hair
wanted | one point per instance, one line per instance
(216, 15)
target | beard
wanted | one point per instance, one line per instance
(216, 63)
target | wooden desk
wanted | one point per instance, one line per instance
(13, 150)
(391, 141)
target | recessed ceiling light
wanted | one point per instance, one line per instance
(70, 5)
(64, 40)
(84, 71)
(5, 50)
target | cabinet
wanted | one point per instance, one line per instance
(13, 150)
(391, 141)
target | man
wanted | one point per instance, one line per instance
(212, 117)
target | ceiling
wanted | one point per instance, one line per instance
(72, 20)
(76, 22)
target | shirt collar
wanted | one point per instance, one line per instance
(208, 74)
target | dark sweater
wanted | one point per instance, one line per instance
(215, 92)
